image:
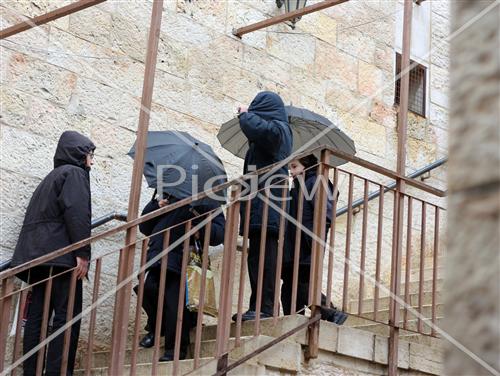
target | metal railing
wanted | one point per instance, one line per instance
(4, 265)
(358, 254)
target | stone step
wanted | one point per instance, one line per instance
(102, 358)
(428, 273)
(248, 344)
(422, 340)
(413, 287)
(267, 327)
(383, 302)
(383, 329)
(383, 315)
(209, 367)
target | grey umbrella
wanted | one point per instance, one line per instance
(185, 165)
(305, 125)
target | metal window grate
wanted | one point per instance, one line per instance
(417, 95)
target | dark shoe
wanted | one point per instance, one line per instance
(169, 356)
(247, 316)
(251, 315)
(148, 341)
(332, 315)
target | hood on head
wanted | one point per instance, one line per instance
(269, 106)
(72, 149)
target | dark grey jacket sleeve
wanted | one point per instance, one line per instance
(217, 230)
(74, 200)
(147, 227)
(257, 129)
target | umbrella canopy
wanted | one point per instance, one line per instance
(306, 125)
(185, 165)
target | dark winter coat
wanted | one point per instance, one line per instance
(307, 219)
(177, 216)
(59, 212)
(270, 140)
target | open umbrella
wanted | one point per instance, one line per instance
(185, 165)
(306, 126)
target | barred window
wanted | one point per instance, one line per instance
(417, 95)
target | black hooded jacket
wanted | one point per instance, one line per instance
(171, 219)
(270, 140)
(59, 212)
(309, 186)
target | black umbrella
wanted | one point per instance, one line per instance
(186, 165)
(306, 125)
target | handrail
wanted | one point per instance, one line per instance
(4, 265)
(391, 186)
(337, 153)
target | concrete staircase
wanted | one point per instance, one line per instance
(384, 301)
(343, 351)
(359, 347)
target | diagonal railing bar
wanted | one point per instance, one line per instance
(47, 17)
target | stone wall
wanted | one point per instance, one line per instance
(85, 72)
(473, 284)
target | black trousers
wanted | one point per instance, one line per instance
(150, 298)
(271, 250)
(58, 306)
(302, 290)
(172, 285)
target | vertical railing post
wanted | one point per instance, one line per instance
(319, 230)
(400, 187)
(122, 301)
(227, 276)
(5, 306)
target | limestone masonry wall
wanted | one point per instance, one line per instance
(85, 72)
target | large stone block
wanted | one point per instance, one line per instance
(384, 57)
(79, 56)
(370, 79)
(129, 36)
(357, 44)
(26, 153)
(438, 116)
(243, 14)
(346, 101)
(296, 49)
(319, 25)
(241, 84)
(210, 13)
(356, 343)
(441, 7)
(39, 78)
(426, 359)
(383, 114)
(16, 192)
(336, 66)
(186, 30)
(14, 106)
(271, 68)
(116, 105)
(172, 92)
(367, 135)
(306, 84)
(92, 24)
(9, 232)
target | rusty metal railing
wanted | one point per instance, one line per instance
(358, 253)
